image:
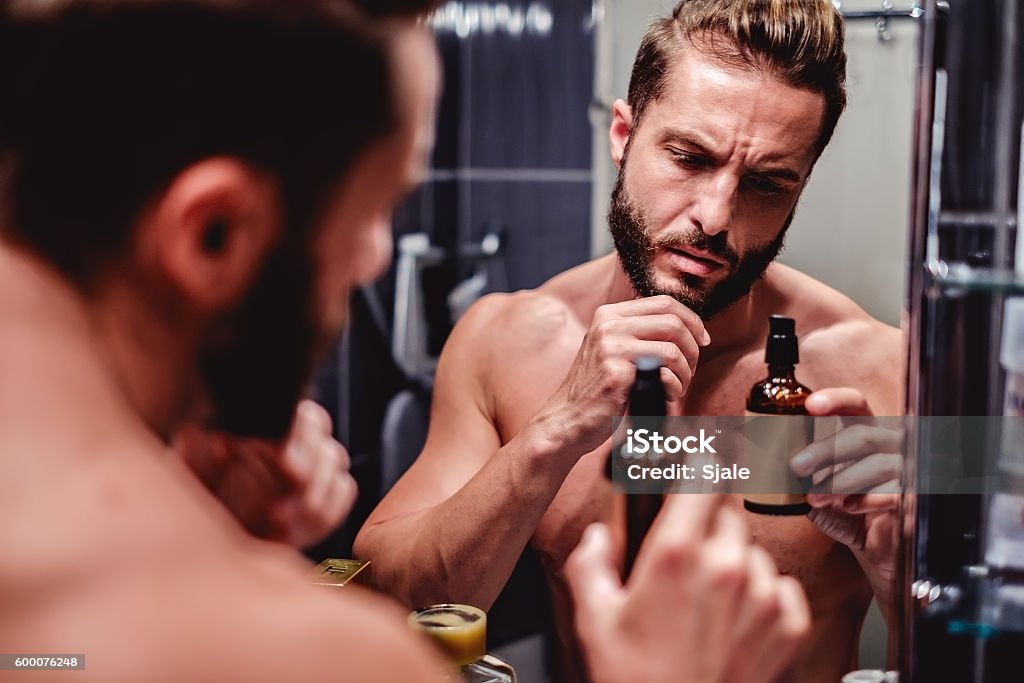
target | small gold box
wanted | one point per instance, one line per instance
(337, 572)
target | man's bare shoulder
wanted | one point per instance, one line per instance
(857, 349)
(126, 558)
(296, 631)
(817, 307)
(509, 351)
(530, 320)
(525, 323)
(502, 340)
(518, 320)
(246, 613)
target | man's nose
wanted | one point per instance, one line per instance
(713, 210)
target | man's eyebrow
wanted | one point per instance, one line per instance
(784, 173)
(687, 139)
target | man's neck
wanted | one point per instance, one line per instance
(732, 328)
(93, 364)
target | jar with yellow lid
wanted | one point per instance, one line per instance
(460, 631)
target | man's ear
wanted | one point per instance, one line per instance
(622, 126)
(210, 230)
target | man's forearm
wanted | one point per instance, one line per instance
(464, 549)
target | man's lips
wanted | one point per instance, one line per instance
(694, 261)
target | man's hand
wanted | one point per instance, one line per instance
(702, 605)
(296, 492)
(857, 474)
(600, 378)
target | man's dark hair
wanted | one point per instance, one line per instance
(800, 42)
(389, 8)
(106, 101)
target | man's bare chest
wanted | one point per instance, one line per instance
(718, 388)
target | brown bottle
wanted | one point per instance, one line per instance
(647, 407)
(781, 394)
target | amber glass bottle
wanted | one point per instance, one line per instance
(781, 394)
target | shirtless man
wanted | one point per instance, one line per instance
(730, 105)
(191, 189)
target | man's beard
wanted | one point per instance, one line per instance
(636, 251)
(257, 363)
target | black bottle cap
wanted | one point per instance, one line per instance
(646, 400)
(647, 364)
(648, 395)
(781, 348)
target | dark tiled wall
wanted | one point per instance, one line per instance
(513, 149)
(514, 140)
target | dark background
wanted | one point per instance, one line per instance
(513, 153)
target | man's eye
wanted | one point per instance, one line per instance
(690, 161)
(764, 186)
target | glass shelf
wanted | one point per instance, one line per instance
(959, 278)
(961, 627)
(986, 603)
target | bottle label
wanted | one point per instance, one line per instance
(772, 440)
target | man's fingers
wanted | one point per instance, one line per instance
(880, 499)
(821, 500)
(838, 401)
(850, 443)
(286, 520)
(326, 472)
(204, 452)
(768, 651)
(671, 357)
(302, 526)
(346, 492)
(662, 304)
(727, 551)
(760, 607)
(724, 573)
(830, 517)
(675, 362)
(305, 518)
(674, 388)
(592, 575)
(684, 521)
(313, 418)
(759, 613)
(666, 328)
(864, 475)
(298, 462)
(793, 627)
